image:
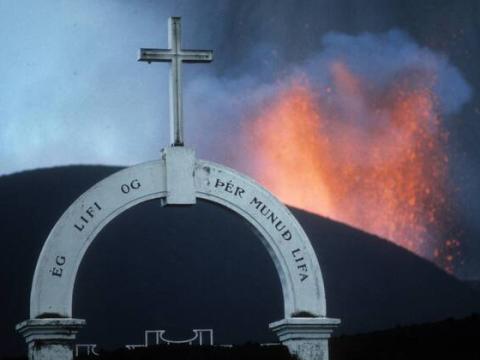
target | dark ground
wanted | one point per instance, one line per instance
(371, 284)
(449, 339)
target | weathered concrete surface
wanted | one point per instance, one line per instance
(279, 231)
(307, 338)
(178, 179)
(50, 339)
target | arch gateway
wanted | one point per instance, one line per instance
(177, 178)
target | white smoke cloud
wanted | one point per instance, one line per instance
(380, 58)
(221, 106)
(72, 92)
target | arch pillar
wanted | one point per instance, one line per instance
(178, 178)
(307, 338)
(50, 339)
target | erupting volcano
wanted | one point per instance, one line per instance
(389, 175)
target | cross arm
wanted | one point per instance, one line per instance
(165, 55)
(155, 55)
(193, 56)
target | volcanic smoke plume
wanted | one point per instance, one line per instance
(390, 180)
(357, 134)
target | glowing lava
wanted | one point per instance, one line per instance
(374, 160)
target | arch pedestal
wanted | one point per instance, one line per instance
(178, 178)
(49, 339)
(307, 338)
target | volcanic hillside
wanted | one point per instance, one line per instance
(182, 268)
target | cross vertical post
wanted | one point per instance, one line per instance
(175, 56)
(176, 103)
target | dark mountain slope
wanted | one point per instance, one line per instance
(202, 267)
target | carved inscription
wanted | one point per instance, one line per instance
(301, 265)
(133, 185)
(87, 216)
(274, 219)
(270, 215)
(57, 269)
(230, 188)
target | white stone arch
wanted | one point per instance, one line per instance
(178, 178)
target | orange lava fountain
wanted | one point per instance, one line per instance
(387, 175)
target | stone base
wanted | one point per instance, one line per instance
(179, 176)
(307, 338)
(50, 339)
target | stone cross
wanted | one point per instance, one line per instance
(175, 55)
